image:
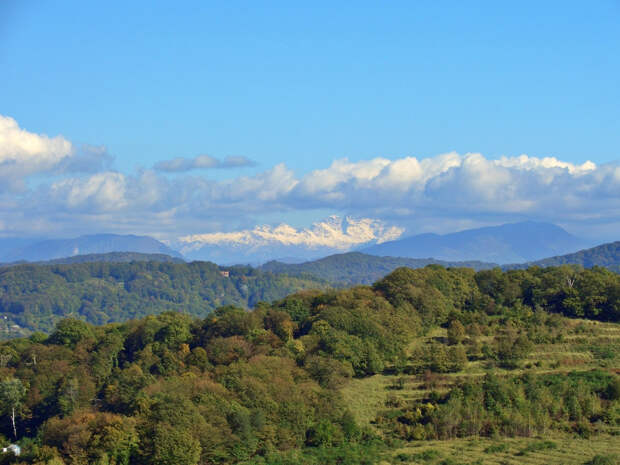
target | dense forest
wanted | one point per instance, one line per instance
(115, 257)
(606, 255)
(35, 297)
(358, 268)
(269, 386)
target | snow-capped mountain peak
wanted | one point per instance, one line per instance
(334, 234)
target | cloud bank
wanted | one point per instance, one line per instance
(201, 162)
(74, 193)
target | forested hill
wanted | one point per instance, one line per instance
(273, 386)
(35, 297)
(606, 255)
(359, 268)
(114, 257)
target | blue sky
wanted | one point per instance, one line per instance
(274, 82)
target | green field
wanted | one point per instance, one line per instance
(587, 345)
(511, 451)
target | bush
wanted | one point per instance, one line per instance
(603, 460)
(537, 447)
(495, 448)
(613, 389)
(427, 455)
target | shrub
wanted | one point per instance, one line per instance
(495, 448)
(603, 460)
(537, 447)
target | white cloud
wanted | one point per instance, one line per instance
(100, 192)
(24, 154)
(36, 151)
(532, 163)
(270, 186)
(451, 183)
(430, 194)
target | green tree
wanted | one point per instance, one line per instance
(70, 331)
(456, 332)
(174, 446)
(12, 393)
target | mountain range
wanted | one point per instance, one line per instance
(51, 249)
(508, 243)
(120, 285)
(263, 243)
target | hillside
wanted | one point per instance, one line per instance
(110, 257)
(357, 268)
(508, 243)
(35, 297)
(84, 245)
(427, 366)
(605, 255)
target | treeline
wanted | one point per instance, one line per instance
(354, 268)
(35, 297)
(114, 257)
(261, 387)
(605, 255)
(568, 289)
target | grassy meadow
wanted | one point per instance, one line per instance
(586, 345)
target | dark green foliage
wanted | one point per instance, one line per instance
(606, 255)
(144, 392)
(511, 347)
(429, 454)
(456, 332)
(537, 447)
(522, 406)
(35, 297)
(115, 257)
(262, 386)
(358, 268)
(69, 332)
(366, 452)
(438, 358)
(495, 448)
(603, 460)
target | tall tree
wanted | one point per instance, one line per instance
(12, 393)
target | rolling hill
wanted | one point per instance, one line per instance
(357, 268)
(33, 297)
(605, 255)
(114, 257)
